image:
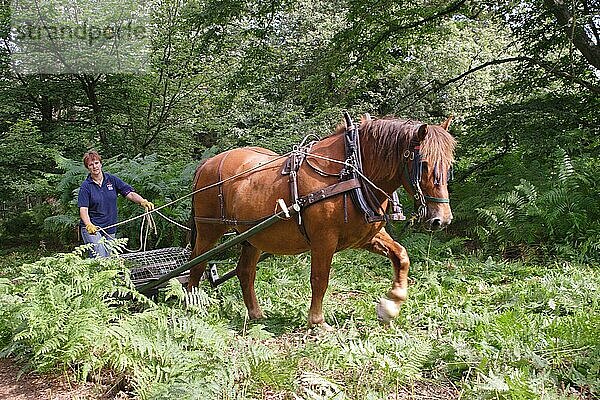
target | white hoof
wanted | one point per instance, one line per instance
(387, 310)
(323, 327)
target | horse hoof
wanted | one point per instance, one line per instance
(256, 315)
(387, 310)
(321, 327)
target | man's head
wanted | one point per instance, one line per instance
(91, 156)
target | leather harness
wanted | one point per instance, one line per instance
(362, 196)
(351, 182)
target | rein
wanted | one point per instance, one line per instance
(207, 187)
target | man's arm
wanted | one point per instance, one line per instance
(85, 218)
(136, 198)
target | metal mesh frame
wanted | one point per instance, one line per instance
(152, 264)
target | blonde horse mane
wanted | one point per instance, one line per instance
(390, 138)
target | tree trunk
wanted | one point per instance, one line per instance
(575, 32)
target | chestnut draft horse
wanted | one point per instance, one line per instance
(393, 152)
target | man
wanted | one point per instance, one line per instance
(97, 203)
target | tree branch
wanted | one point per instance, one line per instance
(552, 70)
(394, 29)
(399, 28)
(591, 22)
(577, 35)
(542, 64)
(446, 11)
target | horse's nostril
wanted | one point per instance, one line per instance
(436, 223)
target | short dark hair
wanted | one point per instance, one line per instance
(91, 156)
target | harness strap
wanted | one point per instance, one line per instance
(437, 199)
(325, 193)
(291, 168)
(363, 199)
(304, 201)
(221, 196)
(229, 221)
(330, 191)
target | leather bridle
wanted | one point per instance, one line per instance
(413, 177)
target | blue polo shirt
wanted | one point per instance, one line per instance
(101, 201)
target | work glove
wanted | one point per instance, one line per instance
(91, 228)
(148, 206)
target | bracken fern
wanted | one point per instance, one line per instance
(65, 305)
(560, 219)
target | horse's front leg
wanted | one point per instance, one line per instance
(320, 267)
(382, 243)
(246, 273)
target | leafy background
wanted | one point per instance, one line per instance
(503, 304)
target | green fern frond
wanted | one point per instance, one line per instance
(317, 387)
(58, 223)
(197, 298)
(174, 290)
(566, 171)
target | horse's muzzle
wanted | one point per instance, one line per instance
(437, 223)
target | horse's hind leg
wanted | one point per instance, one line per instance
(207, 236)
(382, 243)
(246, 272)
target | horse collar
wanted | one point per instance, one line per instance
(362, 197)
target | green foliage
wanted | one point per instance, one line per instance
(59, 310)
(165, 349)
(9, 304)
(562, 218)
(23, 158)
(428, 247)
(73, 174)
(498, 319)
(31, 227)
(488, 330)
(555, 39)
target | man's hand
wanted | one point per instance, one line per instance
(148, 206)
(91, 228)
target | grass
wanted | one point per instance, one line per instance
(469, 329)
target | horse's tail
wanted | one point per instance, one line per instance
(192, 223)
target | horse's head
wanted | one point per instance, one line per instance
(428, 163)
(416, 155)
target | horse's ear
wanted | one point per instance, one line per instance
(367, 117)
(422, 132)
(446, 123)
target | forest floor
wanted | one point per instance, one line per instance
(15, 385)
(33, 386)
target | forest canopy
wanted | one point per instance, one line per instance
(522, 80)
